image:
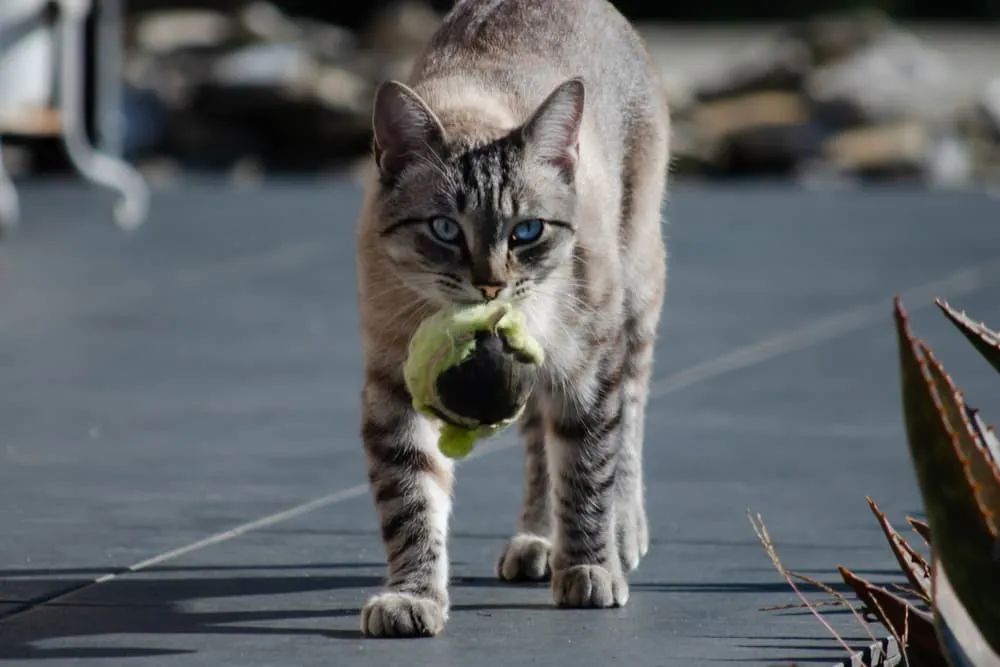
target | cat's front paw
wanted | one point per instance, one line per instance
(402, 615)
(632, 536)
(589, 586)
(525, 558)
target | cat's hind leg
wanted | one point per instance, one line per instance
(645, 285)
(525, 557)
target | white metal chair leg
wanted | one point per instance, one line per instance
(111, 172)
(10, 209)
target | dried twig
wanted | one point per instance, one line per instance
(900, 639)
(765, 540)
(906, 637)
(838, 596)
(799, 605)
(912, 592)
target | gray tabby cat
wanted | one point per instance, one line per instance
(499, 178)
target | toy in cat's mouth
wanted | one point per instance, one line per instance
(473, 368)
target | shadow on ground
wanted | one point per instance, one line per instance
(181, 600)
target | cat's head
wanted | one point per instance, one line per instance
(465, 221)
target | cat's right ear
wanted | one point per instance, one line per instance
(405, 128)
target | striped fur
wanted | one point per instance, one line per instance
(519, 110)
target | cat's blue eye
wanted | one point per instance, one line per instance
(527, 231)
(445, 229)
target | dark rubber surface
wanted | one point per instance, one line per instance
(165, 387)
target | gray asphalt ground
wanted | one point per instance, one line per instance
(181, 476)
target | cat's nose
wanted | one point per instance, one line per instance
(490, 291)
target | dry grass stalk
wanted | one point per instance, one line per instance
(799, 605)
(765, 540)
(837, 596)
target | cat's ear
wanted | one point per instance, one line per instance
(553, 133)
(405, 127)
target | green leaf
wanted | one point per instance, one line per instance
(982, 337)
(962, 526)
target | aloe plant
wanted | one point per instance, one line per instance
(958, 477)
(950, 613)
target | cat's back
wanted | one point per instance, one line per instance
(532, 44)
(510, 29)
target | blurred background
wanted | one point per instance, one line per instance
(824, 92)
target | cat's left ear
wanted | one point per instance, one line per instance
(405, 128)
(552, 134)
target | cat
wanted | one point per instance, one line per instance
(526, 160)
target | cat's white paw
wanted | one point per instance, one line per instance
(632, 535)
(525, 558)
(402, 615)
(589, 586)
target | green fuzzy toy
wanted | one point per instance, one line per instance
(464, 355)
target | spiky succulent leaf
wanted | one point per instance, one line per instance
(961, 641)
(920, 528)
(987, 436)
(982, 473)
(911, 626)
(982, 337)
(916, 569)
(963, 538)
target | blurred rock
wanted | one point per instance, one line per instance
(279, 64)
(837, 98)
(160, 172)
(247, 173)
(262, 88)
(833, 99)
(267, 23)
(762, 132)
(344, 89)
(832, 37)
(769, 150)
(720, 118)
(175, 29)
(990, 107)
(17, 160)
(950, 163)
(891, 150)
(403, 29)
(980, 129)
(776, 64)
(895, 76)
(283, 65)
(170, 77)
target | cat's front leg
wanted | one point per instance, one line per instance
(585, 438)
(411, 482)
(525, 557)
